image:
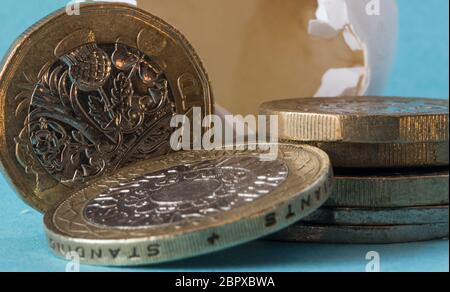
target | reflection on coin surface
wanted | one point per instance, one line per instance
(84, 96)
(363, 234)
(361, 119)
(189, 203)
(186, 191)
(379, 217)
(389, 189)
(383, 106)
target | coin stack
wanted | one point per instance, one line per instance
(390, 158)
(86, 126)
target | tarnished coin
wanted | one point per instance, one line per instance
(379, 217)
(363, 234)
(385, 155)
(361, 119)
(389, 189)
(189, 203)
(83, 96)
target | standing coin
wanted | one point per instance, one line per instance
(361, 119)
(363, 234)
(189, 203)
(389, 189)
(385, 155)
(83, 96)
(379, 217)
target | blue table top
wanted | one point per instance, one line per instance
(422, 69)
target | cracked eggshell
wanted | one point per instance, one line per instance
(261, 50)
(378, 32)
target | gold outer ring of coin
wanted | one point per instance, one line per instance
(390, 190)
(361, 119)
(306, 187)
(383, 155)
(53, 37)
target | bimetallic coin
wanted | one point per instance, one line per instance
(379, 217)
(189, 203)
(83, 96)
(382, 155)
(363, 234)
(361, 119)
(389, 189)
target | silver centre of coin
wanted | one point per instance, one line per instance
(186, 192)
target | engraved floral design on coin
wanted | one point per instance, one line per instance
(77, 130)
(98, 96)
(189, 203)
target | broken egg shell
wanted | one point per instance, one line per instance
(379, 32)
(261, 50)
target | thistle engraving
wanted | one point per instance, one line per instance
(97, 108)
(186, 192)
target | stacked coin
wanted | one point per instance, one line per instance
(391, 167)
(86, 129)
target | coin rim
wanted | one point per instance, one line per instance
(237, 226)
(394, 216)
(295, 125)
(424, 194)
(385, 155)
(372, 234)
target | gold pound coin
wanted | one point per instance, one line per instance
(189, 203)
(83, 96)
(361, 119)
(379, 216)
(384, 155)
(362, 234)
(389, 189)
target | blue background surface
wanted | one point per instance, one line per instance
(421, 69)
